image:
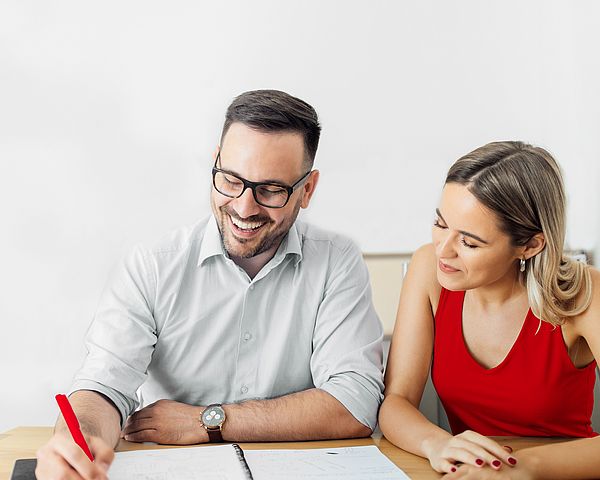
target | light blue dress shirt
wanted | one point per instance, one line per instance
(182, 321)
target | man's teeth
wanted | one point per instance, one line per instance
(246, 225)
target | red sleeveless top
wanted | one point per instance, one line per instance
(536, 391)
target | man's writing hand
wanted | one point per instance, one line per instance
(61, 457)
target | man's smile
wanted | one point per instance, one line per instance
(245, 229)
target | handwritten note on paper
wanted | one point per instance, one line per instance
(350, 463)
(208, 463)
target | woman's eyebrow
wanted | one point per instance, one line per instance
(466, 234)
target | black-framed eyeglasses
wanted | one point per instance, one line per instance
(270, 195)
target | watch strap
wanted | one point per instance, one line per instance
(214, 435)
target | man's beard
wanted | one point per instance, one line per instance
(271, 239)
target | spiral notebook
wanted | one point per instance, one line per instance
(229, 462)
(218, 462)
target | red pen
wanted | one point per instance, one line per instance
(69, 416)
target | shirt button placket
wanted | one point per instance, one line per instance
(248, 357)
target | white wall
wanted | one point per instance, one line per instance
(109, 112)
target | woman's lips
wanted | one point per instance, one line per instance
(446, 268)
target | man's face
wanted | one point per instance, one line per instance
(247, 228)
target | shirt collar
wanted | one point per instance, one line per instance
(293, 246)
(212, 244)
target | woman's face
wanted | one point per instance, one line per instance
(470, 248)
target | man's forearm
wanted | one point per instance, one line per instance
(308, 415)
(96, 414)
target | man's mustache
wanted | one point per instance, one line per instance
(252, 218)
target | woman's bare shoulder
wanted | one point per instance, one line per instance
(594, 306)
(588, 321)
(423, 267)
(425, 254)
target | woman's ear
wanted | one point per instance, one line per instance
(534, 246)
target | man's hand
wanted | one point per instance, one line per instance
(167, 422)
(61, 457)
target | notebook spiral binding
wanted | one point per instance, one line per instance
(240, 454)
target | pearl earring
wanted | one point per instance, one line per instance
(522, 265)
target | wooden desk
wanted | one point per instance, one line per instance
(22, 442)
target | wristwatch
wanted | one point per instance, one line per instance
(212, 419)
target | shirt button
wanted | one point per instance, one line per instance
(247, 336)
(251, 287)
(244, 389)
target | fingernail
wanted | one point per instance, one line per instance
(453, 469)
(512, 460)
(507, 447)
(496, 463)
(479, 461)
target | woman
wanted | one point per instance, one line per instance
(509, 326)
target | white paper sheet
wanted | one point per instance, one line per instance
(350, 463)
(215, 462)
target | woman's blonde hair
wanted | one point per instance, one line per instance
(523, 185)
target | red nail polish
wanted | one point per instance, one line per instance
(479, 461)
(512, 460)
(453, 469)
(496, 463)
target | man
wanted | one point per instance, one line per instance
(265, 320)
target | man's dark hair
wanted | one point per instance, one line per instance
(276, 111)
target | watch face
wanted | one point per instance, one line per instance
(213, 416)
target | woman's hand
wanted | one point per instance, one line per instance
(487, 473)
(468, 448)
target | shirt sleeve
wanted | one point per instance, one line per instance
(122, 336)
(347, 359)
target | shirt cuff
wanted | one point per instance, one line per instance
(353, 394)
(123, 404)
